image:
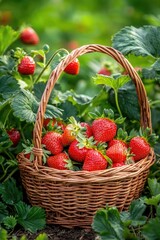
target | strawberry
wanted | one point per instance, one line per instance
(115, 141)
(72, 129)
(27, 66)
(94, 160)
(29, 36)
(104, 129)
(76, 152)
(118, 164)
(60, 161)
(14, 136)
(88, 131)
(73, 67)
(53, 142)
(117, 153)
(139, 147)
(53, 123)
(104, 71)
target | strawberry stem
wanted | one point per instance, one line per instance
(49, 61)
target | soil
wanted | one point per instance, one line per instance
(56, 232)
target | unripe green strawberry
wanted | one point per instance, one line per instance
(104, 129)
(53, 142)
(73, 67)
(77, 153)
(60, 161)
(27, 66)
(117, 153)
(94, 160)
(139, 147)
(29, 36)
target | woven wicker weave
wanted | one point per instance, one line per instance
(71, 198)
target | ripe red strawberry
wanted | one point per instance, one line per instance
(27, 66)
(139, 147)
(76, 152)
(29, 36)
(94, 160)
(118, 164)
(53, 142)
(88, 131)
(117, 153)
(104, 71)
(73, 67)
(60, 161)
(115, 141)
(68, 135)
(14, 136)
(104, 129)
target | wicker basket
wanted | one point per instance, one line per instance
(71, 198)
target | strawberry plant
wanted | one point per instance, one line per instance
(141, 221)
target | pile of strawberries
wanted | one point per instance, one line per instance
(90, 147)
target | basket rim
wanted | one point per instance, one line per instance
(110, 174)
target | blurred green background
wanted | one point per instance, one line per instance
(70, 23)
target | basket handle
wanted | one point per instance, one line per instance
(145, 116)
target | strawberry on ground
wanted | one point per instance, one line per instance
(104, 129)
(60, 161)
(14, 136)
(53, 142)
(29, 36)
(26, 66)
(73, 67)
(94, 160)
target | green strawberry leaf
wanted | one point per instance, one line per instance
(3, 211)
(42, 236)
(108, 225)
(142, 41)
(9, 192)
(8, 86)
(152, 72)
(31, 218)
(10, 222)
(25, 107)
(5, 142)
(10, 35)
(113, 81)
(134, 216)
(154, 186)
(154, 200)
(7, 64)
(128, 101)
(151, 229)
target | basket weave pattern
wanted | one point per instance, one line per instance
(71, 198)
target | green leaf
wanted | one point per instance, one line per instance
(136, 210)
(111, 81)
(108, 225)
(25, 107)
(10, 192)
(42, 236)
(154, 186)
(8, 86)
(152, 72)
(7, 37)
(151, 229)
(128, 101)
(142, 41)
(5, 142)
(3, 211)
(3, 234)
(10, 222)
(7, 64)
(153, 200)
(31, 218)
(69, 110)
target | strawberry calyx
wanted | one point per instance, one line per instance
(149, 137)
